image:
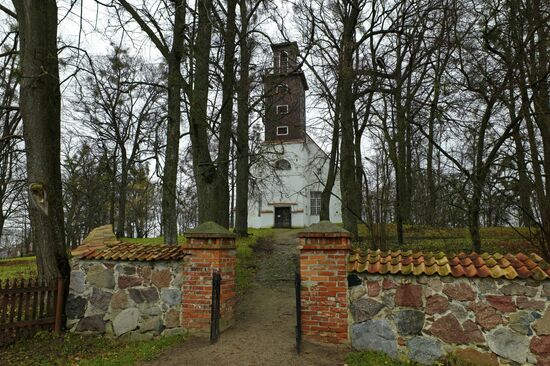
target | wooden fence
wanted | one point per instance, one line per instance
(28, 306)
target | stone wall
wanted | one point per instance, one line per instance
(488, 321)
(137, 299)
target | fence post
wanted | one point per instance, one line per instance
(211, 248)
(58, 305)
(215, 316)
(324, 250)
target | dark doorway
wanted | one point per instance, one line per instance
(282, 217)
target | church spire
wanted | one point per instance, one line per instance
(285, 86)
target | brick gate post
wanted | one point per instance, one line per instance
(211, 248)
(324, 249)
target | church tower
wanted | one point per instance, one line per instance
(289, 179)
(285, 103)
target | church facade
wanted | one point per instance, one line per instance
(289, 176)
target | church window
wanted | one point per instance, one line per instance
(315, 203)
(282, 164)
(283, 61)
(282, 109)
(282, 89)
(282, 131)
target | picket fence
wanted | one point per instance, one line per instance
(28, 306)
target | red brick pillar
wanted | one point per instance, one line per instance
(211, 248)
(324, 249)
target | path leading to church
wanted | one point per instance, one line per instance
(263, 333)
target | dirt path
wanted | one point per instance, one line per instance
(263, 333)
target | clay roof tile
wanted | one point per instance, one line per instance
(461, 265)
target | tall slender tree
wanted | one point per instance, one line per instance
(173, 55)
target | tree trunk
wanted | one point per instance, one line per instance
(224, 145)
(542, 200)
(402, 205)
(2, 220)
(205, 172)
(332, 167)
(350, 191)
(122, 193)
(170, 173)
(40, 104)
(528, 68)
(474, 207)
(241, 205)
(524, 185)
(473, 219)
(358, 172)
(431, 212)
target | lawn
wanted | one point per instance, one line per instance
(24, 267)
(83, 350)
(455, 240)
(245, 260)
(371, 358)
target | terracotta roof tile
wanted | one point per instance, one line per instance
(102, 244)
(135, 252)
(496, 265)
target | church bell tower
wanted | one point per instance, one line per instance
(284, 87)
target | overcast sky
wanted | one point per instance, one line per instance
(93, 27)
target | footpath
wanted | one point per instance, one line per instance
(264, 330)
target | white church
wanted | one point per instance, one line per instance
(290, 176)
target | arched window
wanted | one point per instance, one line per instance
(282, 89)
(283, 61)
(282, 164)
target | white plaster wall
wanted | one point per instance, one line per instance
(290, 188)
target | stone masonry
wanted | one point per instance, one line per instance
(483, 320)
(142, 291)
(136, 299)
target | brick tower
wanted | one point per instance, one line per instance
(285, 103)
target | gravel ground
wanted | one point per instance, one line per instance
(263, 333)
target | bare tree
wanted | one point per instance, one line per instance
(40, 103)
(12, 177)
(173, 54)
(119, 102)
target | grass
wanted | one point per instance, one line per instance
(83, 350)
(151, 241)
(455, 240)
(371, 358)
(23, 267)
(374, 358)
(245, 258)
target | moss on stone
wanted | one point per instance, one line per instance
(325, 227)
(210, 228)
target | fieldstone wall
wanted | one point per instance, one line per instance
(482, 320)
(136, 299)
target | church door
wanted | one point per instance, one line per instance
(282, 217)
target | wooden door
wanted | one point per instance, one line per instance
(283, 217)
